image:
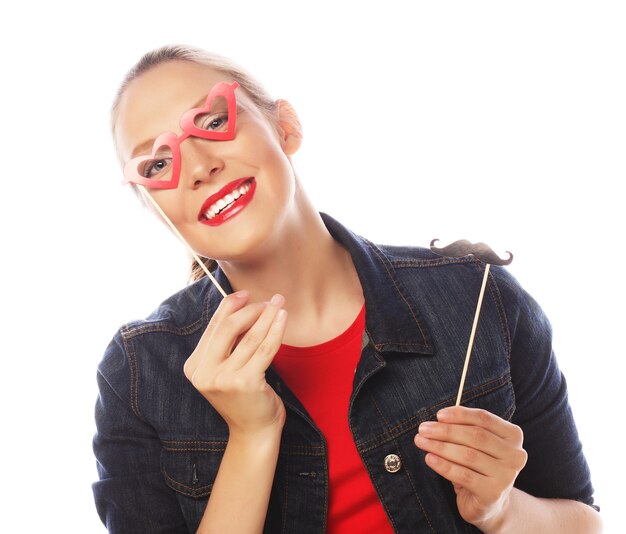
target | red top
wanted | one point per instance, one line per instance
(321, 377)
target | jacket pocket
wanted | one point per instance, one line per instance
(190, 467)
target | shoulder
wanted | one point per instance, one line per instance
(180, 313)
(413, 260)
(456, 279)
(140, 345)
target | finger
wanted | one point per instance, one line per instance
(230, 330)
(264, 355)
(227, 306)
(460, 455)
(218, 346)
(475, 437)
(256, 337)
(482, 418)
(474, 482)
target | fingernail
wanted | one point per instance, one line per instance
(443, 414)
(277, 300)
(426, 427)
(432, 459)
(240, 294)
(280, 316)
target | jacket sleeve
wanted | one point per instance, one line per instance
(556, 466)
(131, 495)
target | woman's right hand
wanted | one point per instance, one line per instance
(229, 363)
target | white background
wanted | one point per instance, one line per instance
(496, 121)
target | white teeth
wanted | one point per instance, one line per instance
(228, 199)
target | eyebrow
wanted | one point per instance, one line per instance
(146, 145)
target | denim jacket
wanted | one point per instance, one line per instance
(159, 442)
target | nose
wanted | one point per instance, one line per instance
(200, 162)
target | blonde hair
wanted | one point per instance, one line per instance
(261, 98)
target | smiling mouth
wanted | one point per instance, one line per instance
(228, 201)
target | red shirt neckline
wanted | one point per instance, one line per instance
(355, 329)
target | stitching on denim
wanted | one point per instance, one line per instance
(302, 450)
(115, 392)
(427, 413)
(133, 370)
(379, 492)
(205, 310)
(326, 487)
(497, 297)
(186, 490)
(198, 449)
(493, 287)
(285, 506)
(162, 326)
(190, 443)
(509, 412)
(378, 408)
(128, 334)
(416, 346)
(369, 372)
(481, 392)
(207, 304)
(436, 262)
(193, 446)
(408, 476)
(385, 261)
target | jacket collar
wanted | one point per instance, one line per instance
(393, 321)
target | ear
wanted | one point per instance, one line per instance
(289, 127)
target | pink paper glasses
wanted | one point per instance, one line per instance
(215, 120)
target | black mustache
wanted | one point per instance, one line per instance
(463, 247)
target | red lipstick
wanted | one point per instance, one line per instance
(218, 208)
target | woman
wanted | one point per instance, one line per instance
(317, 395)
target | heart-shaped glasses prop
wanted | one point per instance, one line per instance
(215, 120)
(160, 169)
(484, 253)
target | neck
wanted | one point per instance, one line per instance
(312, 271)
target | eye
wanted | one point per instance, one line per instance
(214, 122)
(155, 168)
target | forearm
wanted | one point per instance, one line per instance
(240, 494)
(525, 513)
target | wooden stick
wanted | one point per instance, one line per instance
(471, 340)
(148, 197)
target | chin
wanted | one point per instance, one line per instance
(248, 237)
(243, 248)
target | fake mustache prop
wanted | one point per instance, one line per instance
(484, 253)
(463, 247)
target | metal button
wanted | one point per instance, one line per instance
(392, 463)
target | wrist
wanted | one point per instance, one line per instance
(257, 437)
(498, 522)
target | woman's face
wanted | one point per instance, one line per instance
(233, 195)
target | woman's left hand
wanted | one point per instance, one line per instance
(481, 454)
